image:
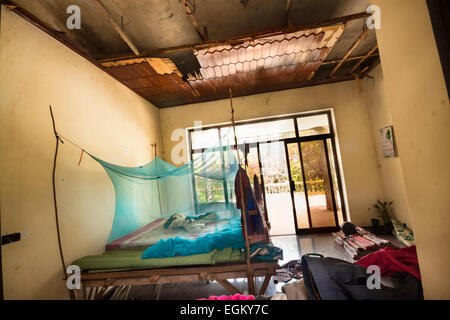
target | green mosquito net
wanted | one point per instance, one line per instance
(155, 192)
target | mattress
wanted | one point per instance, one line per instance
(131, 260)
(151, 233)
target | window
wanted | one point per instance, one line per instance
(294, 158)
(313, 125)
(259, 132)
(204, 139)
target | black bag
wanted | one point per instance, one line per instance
(335, 279)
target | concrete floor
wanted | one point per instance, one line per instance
(293, 248)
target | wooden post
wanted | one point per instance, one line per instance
(58, 232)
(1, 271)
(154, 145)
(251, 283)
(54, 193)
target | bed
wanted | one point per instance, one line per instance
(111, 261)
(154, 231)
(121, 266)
(113, 273)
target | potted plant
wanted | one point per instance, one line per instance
(383, 209)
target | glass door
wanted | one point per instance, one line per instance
(297, 187)
(275, 175)
(296, 161)
(311, 185)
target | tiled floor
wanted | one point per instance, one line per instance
(296, 246)
(293, 248)
(280, 211)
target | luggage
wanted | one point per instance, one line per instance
(335, 279)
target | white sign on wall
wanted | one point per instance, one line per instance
(387, 142)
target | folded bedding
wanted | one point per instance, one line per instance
(126, 260)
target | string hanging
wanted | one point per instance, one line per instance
(81, 157)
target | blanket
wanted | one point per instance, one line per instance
(229, 237)
(151, 233)
(393, 261)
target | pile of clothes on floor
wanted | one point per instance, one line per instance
(387, 274)
(380, 272)
(289, 271)
(359, 242)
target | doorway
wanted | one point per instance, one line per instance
(295, 160)
(311, 185)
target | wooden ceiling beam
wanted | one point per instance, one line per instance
(364, 58)
(286, 13)
(116, 26)
(251, 36)
(203, 34)
(349, 59)
(302, 84)
(366, 70)
(349, 52)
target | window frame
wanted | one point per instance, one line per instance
(294, 117)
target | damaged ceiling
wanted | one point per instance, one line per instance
(175, 52)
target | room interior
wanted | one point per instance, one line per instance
(300, 93)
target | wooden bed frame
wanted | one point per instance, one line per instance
(117, 284)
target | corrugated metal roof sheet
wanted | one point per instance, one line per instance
(160, 89)
(266, 53)
(255, 81)
(278, 62)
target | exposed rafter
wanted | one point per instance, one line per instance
(244, 3)
(200, 96)
(367, 69)
(350, 58)
(302, 84)
(349, 52)
(364, 58)
(203, 34)
(252, 36)
(286, 13)
(116, 26)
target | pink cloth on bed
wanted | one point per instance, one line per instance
(237, 296)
